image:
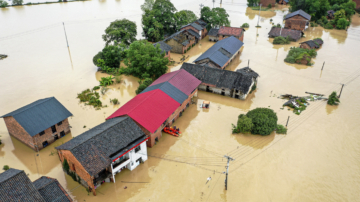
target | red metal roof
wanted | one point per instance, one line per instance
(149, 109)
(230, 31)
(181, 79)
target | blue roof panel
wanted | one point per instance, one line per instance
(169, 90)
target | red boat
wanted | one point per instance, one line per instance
(172, 131)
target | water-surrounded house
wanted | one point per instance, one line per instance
(221, 53)
(266, 3)
(294, 35)
(182, 40)
(330, 14)
(217, 34)
(161, 103)
(198, 26)
(228, 83)
(164, 48)
(15, 185)
(283, 2)
(38, 124)
(311, 44)
(97, 155)
(298, 20)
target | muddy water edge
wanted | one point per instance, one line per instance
(318, 160)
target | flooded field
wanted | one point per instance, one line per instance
(318, 160)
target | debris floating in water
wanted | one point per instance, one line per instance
(3, 56)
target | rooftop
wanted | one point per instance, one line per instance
(213, 32)
(196, 26)
(163, 46)
(230, 31)
(215, 53)
(40, 115)
(201, 22)
(170, 90)
(51, 190)
(298, 12)
(311, 43)
(278, 31)
(94, 148)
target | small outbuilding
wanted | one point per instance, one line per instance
(294, 35)
(298, 20)
(164, 48)
(198, 26)
(225, 32)
(312, 44)
(15, 185)
(330, 14)
(39, 124)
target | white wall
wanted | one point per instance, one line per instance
(134, 156)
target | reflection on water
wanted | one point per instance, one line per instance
(254, 141)
(330, 109)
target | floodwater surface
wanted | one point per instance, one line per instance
(318, 159)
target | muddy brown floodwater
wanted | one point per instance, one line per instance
(318, 160)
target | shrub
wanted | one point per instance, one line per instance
(3, 4)
(6, 167)
(280, 129)
(264, 121)
(17, 2)
(328, 26)
(312, 24)
(115, 101)
(333, 99)
(103, 90)
(253, 88)
(278, 25)
(244, 124)
(295, 55)
(342, 23)
(245, 25)
(143, 84)
(281, 40)
(66, 166)
(320, 22)
(184, 51)
(106, 81)
(96, 88)
(271, 20)
(269, 6)
(324, 20)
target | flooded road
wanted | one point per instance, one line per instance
(318, 160)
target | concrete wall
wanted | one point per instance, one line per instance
(297, 22)
(133, 156)
(213, 38)
(35, 142)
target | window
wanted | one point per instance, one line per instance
(188, 104)
(45, 144)
(62, 134)
(42, 133)
(138, 148)
(53, 128)
(59, 123)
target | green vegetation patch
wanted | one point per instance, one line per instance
(281, 40)
(333, 99)
(90, 98)
(245, 25)
(297, 55)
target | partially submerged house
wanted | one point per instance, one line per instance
(38, 124)
(283, 2)
(97, 155)
(164, 48)
(15, 185)
(298, 20)
(294, 35)
(217, 34)
(266, 3)
(182, 40)
(161, 103)
(330, 14)
(312, 44)
(199, 26)
(221, 53)
(228, 83)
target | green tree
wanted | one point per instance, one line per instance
(253, 2)
(342, 23)
(143, 84)
(147, 5)
(122, 31)
(3, 4)
(316, 8)
(264, 120)
(111, 55)
(17, 2)
(66, 166)
(6, 167)
(184, 17)
(215, 17)
(244, 124)
(333, 99)
(143, 58)
(280, 129)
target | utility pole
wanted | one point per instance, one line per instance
(227, 169)
(259, 16)
(287, 121)
(341, 90)
(201, 5)
(249, 63)
(65, 35)
(323, 66)
(213, 3)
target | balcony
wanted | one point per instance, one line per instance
(117, 166)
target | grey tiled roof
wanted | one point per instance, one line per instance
(163, 46)
(230, 44)
(94, 148)
(40, 115)
(311, 44)
(247, 71)
(196, 26)
(294, 35)
(170, 90)
(195, 34)
(319, 41)
(51, 190)
(201, 22)
(16, 186)
(213, 32)
(220, 78)
(298, 12)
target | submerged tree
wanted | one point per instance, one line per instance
(143, 84)
(215, 17)
(121, 31)
(333, 99)
(184, 17)
(17, 2)
(264, 120)
(111, 55)
(3, 4)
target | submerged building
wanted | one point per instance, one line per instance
(298, 20)
(182, 40)
(217, 34)
(228, 83)
(15, 185)
(97, 155)
(39, 124)
(294, 35)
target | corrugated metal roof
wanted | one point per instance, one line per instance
(170, 90)
(298, 12)
(181, 79)
(149, 109)
(40, 115)
(230, 44)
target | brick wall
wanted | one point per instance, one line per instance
(357, 3)
(187, 46)
(297, 22)
(76, 167)
(17, 131)
(167, 55)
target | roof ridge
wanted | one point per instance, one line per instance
(14, 175)
(44, 100)
(52, 180)
(142, 100)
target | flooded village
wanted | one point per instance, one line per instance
(184, 136)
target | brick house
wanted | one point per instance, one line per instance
(38, 124)
(221, 53)
(182, 40)
(223, 82)
(298, 20)
(199, 26)
(217, 34)
(97, 155)
(161, 103)
(357, 3)
(294, 35)
(283, 2)
(265, 3)
(15, 185)
(164, 49)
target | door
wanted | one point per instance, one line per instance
(53, 129)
